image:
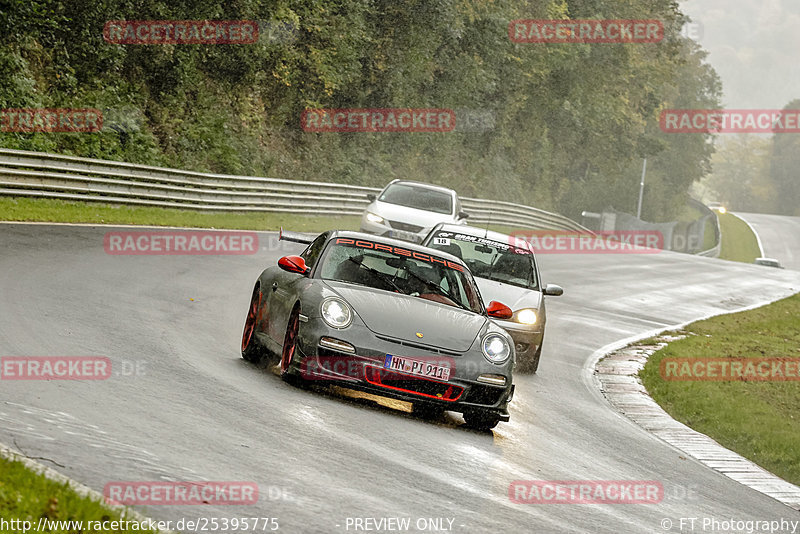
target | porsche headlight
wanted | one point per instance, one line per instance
(377, 219)
(526, 316)
(336, 312)
(496, 348)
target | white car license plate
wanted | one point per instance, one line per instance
(417, 367)
(401, 234)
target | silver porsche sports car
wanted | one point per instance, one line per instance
(385, 316)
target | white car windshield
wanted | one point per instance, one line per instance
(422, 198)
(490, 259)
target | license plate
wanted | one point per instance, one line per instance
(405, 236)
(417, 367)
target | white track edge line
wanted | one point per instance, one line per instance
(82, 490)
(758, 237)
(593, 383)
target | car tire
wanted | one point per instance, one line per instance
(532, 365)
(288, 372)
(481, 421)
(252, 351)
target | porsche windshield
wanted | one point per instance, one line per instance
(400, 270)
(490, 259)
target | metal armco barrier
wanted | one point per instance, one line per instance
(37, 174)
(679, 236)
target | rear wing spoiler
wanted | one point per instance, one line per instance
(294, 236)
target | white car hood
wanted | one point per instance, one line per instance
(395, 212)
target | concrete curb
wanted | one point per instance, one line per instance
(84, 491)
(614, 372)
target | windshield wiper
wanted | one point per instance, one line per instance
(442, 291)
(377, 273)
(494, 257)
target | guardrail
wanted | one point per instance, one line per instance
(714, 251)
(38, 174)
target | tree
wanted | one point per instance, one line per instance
(741, 178)
(784, 168)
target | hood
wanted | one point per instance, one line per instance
(402, 316)
(395, 212)
(512, 296)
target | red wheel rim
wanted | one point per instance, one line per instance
(250, 322)
(290, 342)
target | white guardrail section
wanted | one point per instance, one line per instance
(37, 174)
(714, 251)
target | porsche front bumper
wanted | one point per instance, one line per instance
(364, 369)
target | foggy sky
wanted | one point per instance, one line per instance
(754, 45)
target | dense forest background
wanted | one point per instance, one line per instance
(755, 172)
(559, 126)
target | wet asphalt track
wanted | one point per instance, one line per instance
(197, 411)
(779, 237)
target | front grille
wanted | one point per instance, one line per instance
(397, 225)
(324, 352)
(412, 384)
(487, 395)
(426, 348)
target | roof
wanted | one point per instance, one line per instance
(423, 184)
(396, 243)
(519, 242)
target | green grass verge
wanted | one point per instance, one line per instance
(29, 496)
(52, 210)
(758, 420)
(739, 243)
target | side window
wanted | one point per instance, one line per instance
(534, 278)
(312, 252)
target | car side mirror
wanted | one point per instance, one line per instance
(498, 310)
(463, 214)
(293, 264)
(552, 290)
(371, 197)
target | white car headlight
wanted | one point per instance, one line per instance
(496, 348)
(336, 312)
(526, 316)
(377, 219)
